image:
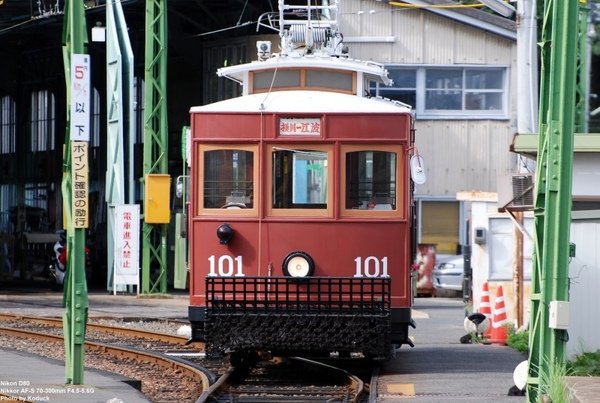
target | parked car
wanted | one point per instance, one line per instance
(448, 274)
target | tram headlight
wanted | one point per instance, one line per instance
(298, 265)
(225, 233)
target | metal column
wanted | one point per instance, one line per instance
(154, 242)
(75, 293)
(119, 126)
(550, 280)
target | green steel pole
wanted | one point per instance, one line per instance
(582, 107)
(154, 242)
(552, 218)
(75, 298)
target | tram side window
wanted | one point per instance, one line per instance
(228, 180)
(299, 179)
(371, 180)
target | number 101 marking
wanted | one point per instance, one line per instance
(371, 267)
(226, 266)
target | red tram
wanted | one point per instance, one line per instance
(301, 209)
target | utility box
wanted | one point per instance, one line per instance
(157, 197)
(559, 315)
(479, 236)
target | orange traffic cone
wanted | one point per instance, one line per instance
(499, 334)
(485, 308)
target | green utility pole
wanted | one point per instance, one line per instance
(550, 281)
(75, 186)
(582, 109)
(154, 247)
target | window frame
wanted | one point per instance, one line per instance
(8, 125)
(42, 121)
(401, 190)
(326, 212)
(463, 114)
(303, 80)
(201, 150)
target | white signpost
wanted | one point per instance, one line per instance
(127, 246)
(80, 97)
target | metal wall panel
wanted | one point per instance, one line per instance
(439, 36)
(463, 155)
(584, 271)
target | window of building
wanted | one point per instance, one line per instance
(301, 179)
(95, 120)
(7, 125)
(224, 54)
(8, 199)
(449, 92)
(42, 121)
(369, 180)
(139, 97)
(228, 176)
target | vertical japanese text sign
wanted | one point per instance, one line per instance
(127, 244)
(80, 135)
(80, 184)
(80, 97)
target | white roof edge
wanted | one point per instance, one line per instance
(506, 33)
(301, 101)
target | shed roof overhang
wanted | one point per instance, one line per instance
(490, 22)
(527, 144)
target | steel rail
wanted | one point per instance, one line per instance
(120, 352)
(167, 338)
(208, 392)
(356, 384)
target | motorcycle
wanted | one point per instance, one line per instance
(57, 267)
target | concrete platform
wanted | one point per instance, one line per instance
(583, 389)
(30, 378)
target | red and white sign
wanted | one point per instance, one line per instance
(127, 245)
(299, 127)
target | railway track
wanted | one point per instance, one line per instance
(162, 355)
(134, 353)
(293, 379)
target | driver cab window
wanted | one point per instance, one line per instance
(371, 181)
(228, 178)
(300, 180)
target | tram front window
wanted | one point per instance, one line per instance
(299, 179)
(228, 179)
(371, 180)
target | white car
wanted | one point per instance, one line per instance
(448, 273)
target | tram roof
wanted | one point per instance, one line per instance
(300, 101)
(369, 69)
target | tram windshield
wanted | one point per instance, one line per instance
(228, 180)
(299, 179)
(371, 180)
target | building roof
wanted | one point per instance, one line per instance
(475, 17)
